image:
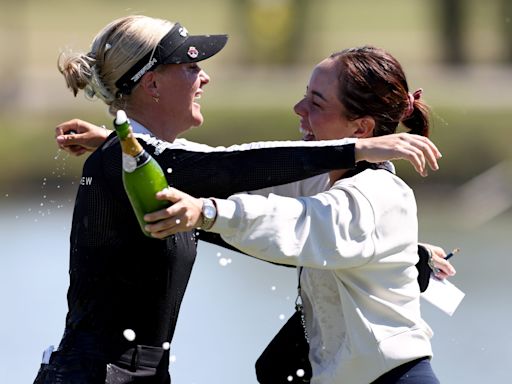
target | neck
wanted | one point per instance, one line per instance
(152, 119)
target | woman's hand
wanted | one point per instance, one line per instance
(442, 268)
(418, 150)
(77, 136)
(183, 215)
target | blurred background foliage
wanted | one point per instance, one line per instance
(458, 51)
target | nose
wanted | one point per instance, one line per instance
(205, 79)
(300, 108)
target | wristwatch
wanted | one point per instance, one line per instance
(209, 214)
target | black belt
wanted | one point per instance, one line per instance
(142, 357)
(139, 362)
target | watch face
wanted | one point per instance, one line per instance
(209, 212)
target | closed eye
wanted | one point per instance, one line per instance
(311, 100)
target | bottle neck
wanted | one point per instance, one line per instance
(129, 143)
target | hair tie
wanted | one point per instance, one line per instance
(411, 97)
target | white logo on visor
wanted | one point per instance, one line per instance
(143, 70)
(192, 52)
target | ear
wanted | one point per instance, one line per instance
(148, 83)
(364, 127)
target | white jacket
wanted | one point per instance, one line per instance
(358, 244)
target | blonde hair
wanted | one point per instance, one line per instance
(115, 49)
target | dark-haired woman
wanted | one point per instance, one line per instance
(357, 242)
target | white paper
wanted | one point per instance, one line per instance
(443, 295)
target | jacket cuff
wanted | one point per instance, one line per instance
(224, 223)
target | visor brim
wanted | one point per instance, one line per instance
(196, 48)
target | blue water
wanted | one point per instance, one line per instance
(235, 304)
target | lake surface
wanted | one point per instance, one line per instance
(235, 304)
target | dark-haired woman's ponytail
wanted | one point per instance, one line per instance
(416, 117)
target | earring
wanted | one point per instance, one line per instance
(156, 98)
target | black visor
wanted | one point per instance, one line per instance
(176, 47)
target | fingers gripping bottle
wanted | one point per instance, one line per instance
(142, 175)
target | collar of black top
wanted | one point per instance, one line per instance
(176, 47)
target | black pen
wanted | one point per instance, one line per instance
(448, 256)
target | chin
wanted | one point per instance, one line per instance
(197, 116)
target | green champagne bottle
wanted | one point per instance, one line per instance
(142, 175)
